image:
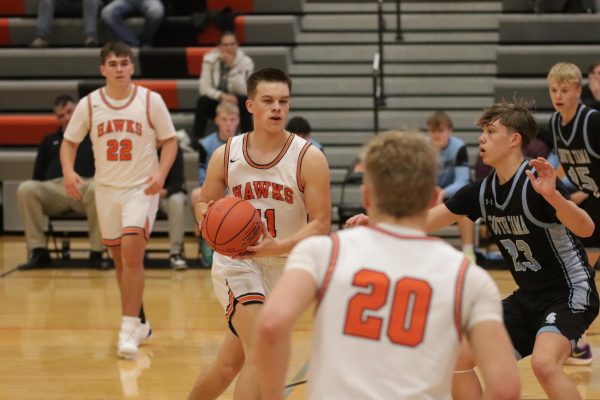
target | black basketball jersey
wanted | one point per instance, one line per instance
(578, 148)
(542, 252)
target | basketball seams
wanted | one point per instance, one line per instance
(205, 223)
(223, 218)
(240, 231)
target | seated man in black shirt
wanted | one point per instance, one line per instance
(45, 194)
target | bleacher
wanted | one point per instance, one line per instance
(455, 56)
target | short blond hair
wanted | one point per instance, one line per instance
(228, 108)
(401, 172)
(565, 73)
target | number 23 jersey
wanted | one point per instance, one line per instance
(542, 253)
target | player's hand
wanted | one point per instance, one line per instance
(579, 197)
(200, 210)
(357, 220)
(72, 182)
(267, 246)
(155, 183)
(545, 182)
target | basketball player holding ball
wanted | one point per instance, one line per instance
(287, 181)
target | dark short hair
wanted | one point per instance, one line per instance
(226, 33)
(119, 49)
(299, 126)
(592, 67)
(266, 75)
(63, 100)
(515, 116)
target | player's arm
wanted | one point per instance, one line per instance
(71, 179)
(574, 218)
(293, 294)
(493, 353)
(214, 184)
(439, 217)
(156, 181)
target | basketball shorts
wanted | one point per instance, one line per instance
(123, 211)
(526, 314)
(247, 281)
(592, 206)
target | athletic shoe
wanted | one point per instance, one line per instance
(128, 343)
(177, 261)
(143, 332)
(39, 43)
(580, 356)
(207, 252)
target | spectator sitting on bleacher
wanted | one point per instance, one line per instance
(301, 127)
(117, 11)
(453, 170)
(227, 121)
(45, 195)
(590, 93)
(172, 203)
(223, 79)
(47, 9)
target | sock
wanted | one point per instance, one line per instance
(142, 315)
(128, 322)
(467, 248)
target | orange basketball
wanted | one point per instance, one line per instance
(230, 225)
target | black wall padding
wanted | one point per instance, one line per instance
(163, 63)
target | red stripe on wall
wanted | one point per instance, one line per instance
(12, 7)
(167, 89)
(212, 34)
(4, 32)
(245, 6)
(194, 56)
(25, 130)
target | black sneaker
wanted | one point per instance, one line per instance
(96, 261)
(40, 258)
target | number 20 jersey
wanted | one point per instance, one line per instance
(392, 306)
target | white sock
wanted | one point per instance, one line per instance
(467, 248)
(129, 322)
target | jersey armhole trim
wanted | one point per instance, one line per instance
(89, 103)
(335, 244)
(458, 297)
(148, 93)
(226, 161)
(299, 167)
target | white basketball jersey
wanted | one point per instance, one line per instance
(275, 189)
(390, 316)
(123, 138)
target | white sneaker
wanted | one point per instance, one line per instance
(177, 262)
(143, 332)
(128, 344)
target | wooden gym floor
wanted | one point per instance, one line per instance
(58, 330)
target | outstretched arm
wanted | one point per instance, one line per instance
(439, 217)
(568, 213)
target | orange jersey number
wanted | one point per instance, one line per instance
(118, 150)
(270, 219)
(408, 313)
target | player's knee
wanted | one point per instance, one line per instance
(228, 370)
(544, 366)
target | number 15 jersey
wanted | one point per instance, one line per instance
(392, 306)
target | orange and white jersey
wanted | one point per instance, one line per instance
(392, 306)
(275, 189)
(124, 134)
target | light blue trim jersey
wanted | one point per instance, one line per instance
(453, 170)
(210, 144)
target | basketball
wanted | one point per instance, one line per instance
(231, 225)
